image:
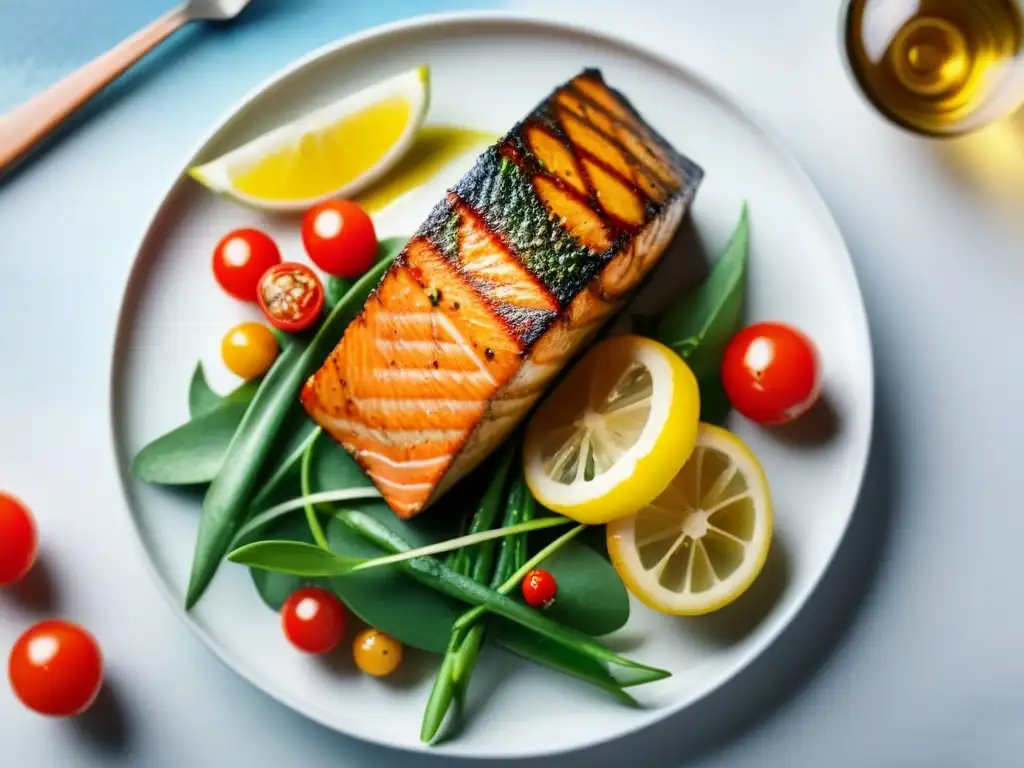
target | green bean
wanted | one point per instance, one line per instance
(477, 563)
(533, 647)
(467, 641)
(432, 573)
(517, 576)
(520, 639)
(229, 495)
(443, 692)
(480, 559)
(520, 543)
(513, 514)
(523, 509)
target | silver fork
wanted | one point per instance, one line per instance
(25, 126)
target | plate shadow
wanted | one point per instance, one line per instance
(37, 593)
(729, 625)
(105, 728)
(815, 428)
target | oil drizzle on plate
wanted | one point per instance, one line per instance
(434, 147)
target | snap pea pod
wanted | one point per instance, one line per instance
(433, 573)
(335, 289)
(229, 495)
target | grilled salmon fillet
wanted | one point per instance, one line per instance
(513, 271)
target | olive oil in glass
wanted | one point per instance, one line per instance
(937, 67)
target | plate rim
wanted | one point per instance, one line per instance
(534, 22)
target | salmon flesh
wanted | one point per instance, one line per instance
(513, 271)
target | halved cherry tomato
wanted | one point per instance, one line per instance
(340, 238)
(240, 260)
(313, 620)
(56, 668)
(291, 296)
(770, 373)
(249, 350)
(19, 541)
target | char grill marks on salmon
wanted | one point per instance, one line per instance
(513, 271)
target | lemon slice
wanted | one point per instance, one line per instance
(703, 541)
(614, 433)
(335, 151)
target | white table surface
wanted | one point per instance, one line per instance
(911, 653)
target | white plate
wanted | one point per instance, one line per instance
(488, 71)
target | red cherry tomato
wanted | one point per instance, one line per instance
(240, 260)
(56, 668)
(19, 541)
(770, 373)
(313, 620)
(539, 588)
(291, 296)
(340, 238)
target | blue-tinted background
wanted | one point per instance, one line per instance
(41, 40)
(909, 655)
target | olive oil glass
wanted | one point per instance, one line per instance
(937, 67)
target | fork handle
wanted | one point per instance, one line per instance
(28, 124)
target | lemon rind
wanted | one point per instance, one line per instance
(216, 175)
(625, 557)
(644, 472)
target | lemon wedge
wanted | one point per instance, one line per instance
(334, 151)
(703, 541)
(614, 433)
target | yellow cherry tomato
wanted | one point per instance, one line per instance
(249, 350)
(377, 654)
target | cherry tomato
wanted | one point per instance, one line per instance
(240, 260)
(770, 373)
(19, 541)
(291, 296)
(56, 668)
(313, 620)
(376, 654)
(539, 588)
(340, 238)
(249, 350)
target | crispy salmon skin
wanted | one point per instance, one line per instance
(513, 271)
